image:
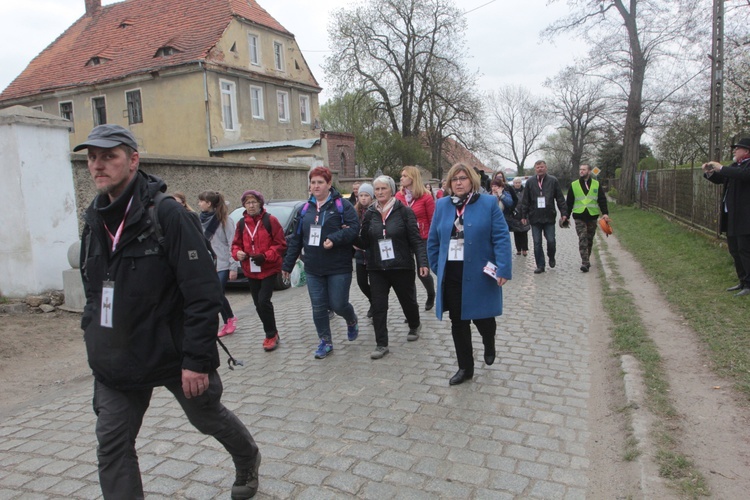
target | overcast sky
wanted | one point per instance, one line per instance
(503, 36)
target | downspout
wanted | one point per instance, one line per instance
(206, 103)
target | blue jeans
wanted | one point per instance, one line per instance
(327, 293)
(549, 233)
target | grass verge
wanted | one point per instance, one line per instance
(629, 336)
(693, 271)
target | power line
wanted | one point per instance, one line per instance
(477, 8)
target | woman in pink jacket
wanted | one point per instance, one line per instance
(414, 195)
(260, 252)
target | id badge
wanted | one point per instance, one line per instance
(108, 302)
(386, 249)
(254, 268)
(541, 202)
(456, 250)
(315, 235)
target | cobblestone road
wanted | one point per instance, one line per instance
(347, 426)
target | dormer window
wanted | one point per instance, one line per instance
(166, 51)
(96, 61)
(125, 24)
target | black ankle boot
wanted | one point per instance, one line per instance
(430, 302)
(461, 376)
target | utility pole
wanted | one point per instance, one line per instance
(717, 82)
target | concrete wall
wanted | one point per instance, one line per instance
(39, 198)
(192, 175)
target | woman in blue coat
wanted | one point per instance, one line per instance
(470, 252)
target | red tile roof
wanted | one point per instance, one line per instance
(127, 35)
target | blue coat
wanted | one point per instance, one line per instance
(486, 238)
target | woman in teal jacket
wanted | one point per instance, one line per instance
(468, 236)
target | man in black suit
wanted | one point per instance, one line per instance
(735, 209)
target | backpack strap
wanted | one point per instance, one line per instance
(266, 219)
(339, 207)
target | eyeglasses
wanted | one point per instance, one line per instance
(252, 203)
(460, 179)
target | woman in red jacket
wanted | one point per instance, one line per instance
(260, 252)
(414, 195)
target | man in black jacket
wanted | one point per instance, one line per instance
(735, 209)
(538, 209)
(150, 317)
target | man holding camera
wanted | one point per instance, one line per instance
(735, 209)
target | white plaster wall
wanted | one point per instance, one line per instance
(40, 220)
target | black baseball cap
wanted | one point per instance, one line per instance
(109, 136)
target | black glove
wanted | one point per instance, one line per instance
(258, 258)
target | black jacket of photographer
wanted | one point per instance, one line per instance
(552, 193)
(402, 229)
(735, 221)
(166, 295)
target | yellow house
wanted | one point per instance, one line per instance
(187, 77)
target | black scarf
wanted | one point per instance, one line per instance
(210, 224)
(458, 202)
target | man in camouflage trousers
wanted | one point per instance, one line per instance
(586, 202)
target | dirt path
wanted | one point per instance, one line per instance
(714, 426)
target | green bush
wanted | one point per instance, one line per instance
(648, 163)
(618, 171)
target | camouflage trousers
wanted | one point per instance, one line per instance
(586, 231)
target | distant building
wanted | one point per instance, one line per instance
(188, 77)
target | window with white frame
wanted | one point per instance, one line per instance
(254, 42)
(304, 108)
(66, 110)
(256, 101)
(135, 110)
(282, 101)
(278, 55)
(99, 109)
(228, 104)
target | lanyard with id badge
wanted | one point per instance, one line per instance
(386, 244)
(541, 201)
(316, 230)
(254, 268)
(108, 287)
(456, 245)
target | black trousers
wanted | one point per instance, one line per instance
(522, 241)
(119, 417)
(262, 291)
(461, 329)
(363, 281)
(403, 283)
(739, 249)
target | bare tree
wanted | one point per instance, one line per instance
(517, 120)
(578, 102)
(387, 47)
(628, 39)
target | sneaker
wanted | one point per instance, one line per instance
(584, 268)
(272, 343)
(224, 331)
(324, 349)
(379, 352)
(246, 482)
(231, 325)
(352, 331)
(414, 333)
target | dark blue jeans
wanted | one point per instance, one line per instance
(549, 234)
(119, 417)
(330, 293)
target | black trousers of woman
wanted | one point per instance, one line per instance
(262, 291)
(363, 281)
(403, 283)
(461, 329)
(522, 241)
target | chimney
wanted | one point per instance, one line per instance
(92, 6)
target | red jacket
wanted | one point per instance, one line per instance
(423, 208)
(272, 246)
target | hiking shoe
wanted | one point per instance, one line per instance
(379, 352)
(272, 343)
(324, 349)
(246, 482)
(414, 333)
(352, 331)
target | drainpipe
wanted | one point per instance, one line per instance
(205, 101)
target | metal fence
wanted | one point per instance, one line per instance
(683, 194)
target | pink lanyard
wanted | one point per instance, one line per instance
(540, 181)
(385, 217)
(116, 238)
(252, 234)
